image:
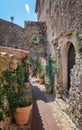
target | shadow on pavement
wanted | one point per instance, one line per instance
(36, 118)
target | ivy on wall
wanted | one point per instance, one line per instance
(78, 45)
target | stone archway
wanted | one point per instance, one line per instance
(68, 61)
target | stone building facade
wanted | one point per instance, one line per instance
(32, 37)
(62, 19)
(64, 33)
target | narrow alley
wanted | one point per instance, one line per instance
(42, 118)
(45, 114)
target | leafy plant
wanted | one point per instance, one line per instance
(9, 87)
(20, 75)
(79, 46)
(26, 70)
(48, 85)
(15, 88)
(25, 103)
(34, 64)
(51, 69)
(1, 116)
(34, 69)
(42, 69)
(42, 76)
(2, 94)
(75, 33)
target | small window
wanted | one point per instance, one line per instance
(35, 38)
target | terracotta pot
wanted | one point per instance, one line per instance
(22, 115)
(49, 89)
(33, 74)
(41, 81)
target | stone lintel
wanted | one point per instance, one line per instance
(66, 34)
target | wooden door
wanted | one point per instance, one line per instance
(71, 62)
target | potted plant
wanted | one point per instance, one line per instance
(34, 69)
(16, 95)
(50, 70)
(49, 87)
(24, 106)
(41, 79)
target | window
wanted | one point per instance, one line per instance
(35, 38)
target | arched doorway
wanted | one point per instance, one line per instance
(71, 63)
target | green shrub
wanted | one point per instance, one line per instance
(48, 85)
(75, 33)
(42, 76)
(78, 46)
(25, 103)
(2, 93)
(1, 116)
(51, 69)
(26, 70)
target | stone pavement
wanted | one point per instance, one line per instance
(42, 117)
(57, 107)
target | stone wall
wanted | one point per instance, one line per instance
(62, 18)
(12, 35)
(75, 101)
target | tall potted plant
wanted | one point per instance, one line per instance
(50, 70)
(16, 95)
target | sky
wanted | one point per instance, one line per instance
(21, 10)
